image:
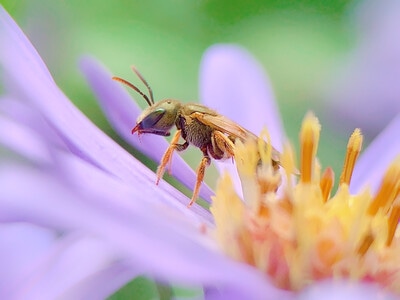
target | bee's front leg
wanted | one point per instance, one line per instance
(205, 162)
(167, 157)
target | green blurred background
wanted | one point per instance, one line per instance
(298, 43)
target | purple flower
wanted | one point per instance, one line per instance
(81, 217)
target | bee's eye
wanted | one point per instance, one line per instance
(151, 119)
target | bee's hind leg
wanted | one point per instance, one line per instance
(167, 157)
(205, 162)
(222, 146)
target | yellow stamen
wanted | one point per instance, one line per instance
(388, 190)
(294, 231)
(326, 183)
(393, 221)
(365, 244)
(268, 179)
(228, 213)
(353, 150)
(288, 161)
(246, 158)
(265, 149)
(309, 136)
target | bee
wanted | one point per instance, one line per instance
(196, 124)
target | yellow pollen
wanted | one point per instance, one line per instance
(292, 229)
(353, 150)
(388, 189)
(309, 137)
(326, 183)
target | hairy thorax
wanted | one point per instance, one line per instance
(194, 132)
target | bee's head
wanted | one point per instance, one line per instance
(159, 118)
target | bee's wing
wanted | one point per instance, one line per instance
(225, 125)
(231, 128)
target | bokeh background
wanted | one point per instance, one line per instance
(300, 43)
(297, 42)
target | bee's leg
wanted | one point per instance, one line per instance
(167, 157)
(205, 162)
(222, 146)
(178, 147)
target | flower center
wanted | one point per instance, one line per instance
(293, 230)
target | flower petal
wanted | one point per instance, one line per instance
(364, 92)
(138, 193)
(154, 241)
(18, 57)
(81, 136)
(330, 290)
(23, 141)
(377, 157)
(21, 245)
(62, 260)
(93, 286)
(234, 84)
(21, 112)
(122, 112)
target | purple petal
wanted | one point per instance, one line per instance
(376, 159)
(137, 193)
(218, 293)
(62, 260)
(23, 141)
(21, 245)
(122, 112)
(80, 135)
(19, 57)
(21, 112)
(331, 290)
(147, 237)
(235, 85)
(365, 91)
(94, 287)
(85, 176)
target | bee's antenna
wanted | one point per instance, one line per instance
(127, 83)
(145, 83)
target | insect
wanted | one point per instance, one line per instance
(204, 128)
